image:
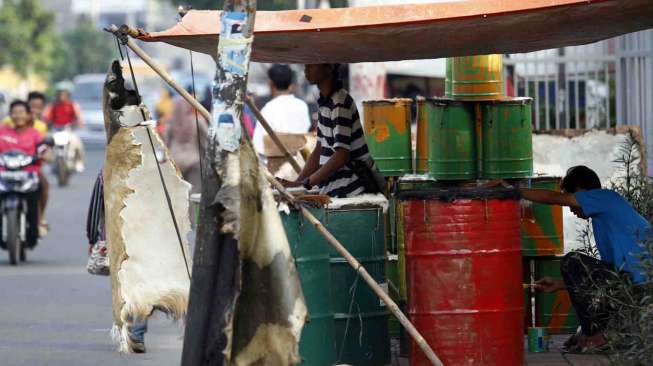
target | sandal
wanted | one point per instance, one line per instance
(587, 345)
(571, 341)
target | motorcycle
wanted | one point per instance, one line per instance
(64, 155)
(18, 204)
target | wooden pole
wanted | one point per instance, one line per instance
(273, 135)
(189, 98)
(394, 308)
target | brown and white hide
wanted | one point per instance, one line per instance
(246, 302)
(246, 306)
(271, 310)
(148, 270)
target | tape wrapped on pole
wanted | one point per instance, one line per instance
(353, 262)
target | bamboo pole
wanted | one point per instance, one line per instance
(273, 135)
(394, 308)
(189, 98)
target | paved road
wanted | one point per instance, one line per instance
(52, 312)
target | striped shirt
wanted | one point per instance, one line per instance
(339, 126)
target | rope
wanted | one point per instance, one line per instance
(119, 49)
(131, 71)
(158, 166)
(197, 119)
(169, 201)
(352, 290)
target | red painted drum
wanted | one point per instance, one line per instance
(464, 275)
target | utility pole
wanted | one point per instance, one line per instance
(216, 279)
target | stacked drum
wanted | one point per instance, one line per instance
(463, 265)
(455, 258)
(453, 251)
(347, 322)
(542, 245)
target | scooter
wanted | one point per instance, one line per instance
(18, 204)
(64, 156)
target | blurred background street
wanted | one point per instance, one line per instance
(52, 312)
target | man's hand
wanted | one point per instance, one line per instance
(289, 184)
(550, 284)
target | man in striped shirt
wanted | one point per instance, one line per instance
(341, 143)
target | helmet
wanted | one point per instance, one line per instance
(64, 86)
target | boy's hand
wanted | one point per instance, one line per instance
(550, 284)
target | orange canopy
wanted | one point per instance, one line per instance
(421, 31)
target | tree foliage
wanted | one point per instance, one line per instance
(86, 49)
(28, 41)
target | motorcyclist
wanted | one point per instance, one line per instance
(64, 112)
(22, 137)
(37, 102)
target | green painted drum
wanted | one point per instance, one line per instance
(448, 85)
(451, 139)
(392, 273)
(553, 311)
(391, 268)
(317, 345)
(422, 140)
(507, 141)
(388, 134)
(361, 320)
(541, 225)
(401, 252)
(477, 78)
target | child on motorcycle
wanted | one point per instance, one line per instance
(22, 137)
(37, 102)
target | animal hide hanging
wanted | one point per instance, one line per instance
(148, 267)
(247, 306)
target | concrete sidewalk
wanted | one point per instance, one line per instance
(555, 357)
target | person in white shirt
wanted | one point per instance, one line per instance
(284, 112)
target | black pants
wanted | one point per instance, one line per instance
(583, 275)
(32, 230)
(32, 234)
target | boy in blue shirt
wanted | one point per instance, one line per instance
(618, 231)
